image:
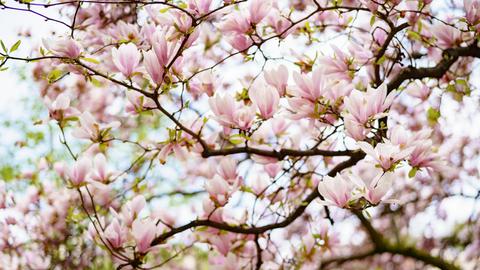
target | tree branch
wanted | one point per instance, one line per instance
(382, 245)
(450, 56)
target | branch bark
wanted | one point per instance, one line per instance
(450, 56)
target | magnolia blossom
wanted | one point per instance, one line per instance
(64, 47)
(126, 58)
(227, 169)
(115, 234)
(100, 172)
(59, 107)
(338, 66)
(365, 105)
(272, 169)
(386, 155)
(144, 231)
(265, 98)
(240, 42)
(472, 9)
(361, 107)
(77, 175)
(422, 156)
(418, 90)
(236, 24)
(90, 129)
(131, 209)
(153, 66)
(310, 86)
(258, 10)
(199, 6)
(373, 189)
(219, 190)
(224, 108)
(336, 190)
(277, 78)
(206, 82)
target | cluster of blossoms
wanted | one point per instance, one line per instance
(245, 134)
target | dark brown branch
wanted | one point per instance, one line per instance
(450, 56)
(279, 154)
(337, 261)
(383, 49)
(382, 245)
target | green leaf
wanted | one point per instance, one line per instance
(372, 20)
(381, 60)
(433, 115)
(163, 10)
(91, 60)
(413, 172)
(96, 82)
(414, 35)
(15, 46)
(54, 75)
(236, 139)
(4, 48)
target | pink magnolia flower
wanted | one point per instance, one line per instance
(144, 231)
(199, 6)
(235, 23)
(100, 172)
(301, 108)
(164, 48)
(124, 31)
(153, 66)
(371, 5)
(90, 129)
(446, 35)
(278, 78)
(115, 234)
(419, 90)
(309, 87)
(240, 42)
(224, 108)
(206, 82)
(223, 242)
(218, 189)
(58, 108)
(472, 10)
(273, 169)
(279, 125)
(280, 24)
(258, 10)
(244, 117)
(354, 129)
(126, 58)
(338, 66)
(260, 184)
(136, 102)
(385, 154)
(373, 189)
(79, 171)
(366, 105)
(172, 147)
(63, 47)
(182, 22)
(422, 156)
(336, 190)
(265, 98)
(131, 209)
(227, 169)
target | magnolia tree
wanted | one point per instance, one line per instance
(253, 134)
